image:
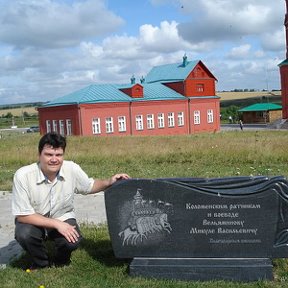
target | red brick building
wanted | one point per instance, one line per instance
(284, 72)
(173, 99)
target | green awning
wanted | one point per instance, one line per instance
(261, 107)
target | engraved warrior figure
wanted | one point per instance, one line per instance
(147, 217)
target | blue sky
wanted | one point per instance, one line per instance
(49, 48)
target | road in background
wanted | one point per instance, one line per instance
(245, 127)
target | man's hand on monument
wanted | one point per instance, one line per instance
(101, 185)
(117, 177)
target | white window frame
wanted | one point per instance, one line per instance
(68, 127)
(139, 122)
(48, 126)
(150, 121)
(171, 119)
(121, 123)
(55, 126)
(210, 116)
(109, 125)
(180, 118)
(197, 117)
(96, 126)
(161, 122)
(61, 127)
(200, 87)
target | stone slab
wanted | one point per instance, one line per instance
(204, 269)
(220, 218)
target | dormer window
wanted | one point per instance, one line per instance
(200, 87)
(135, 91)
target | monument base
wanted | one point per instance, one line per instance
(203, 269)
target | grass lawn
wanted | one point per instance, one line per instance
(222, 154)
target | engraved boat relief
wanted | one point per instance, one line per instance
(147, 219)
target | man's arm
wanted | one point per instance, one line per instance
(65, 229)
(101, 185)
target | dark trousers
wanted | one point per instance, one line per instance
(32, 239)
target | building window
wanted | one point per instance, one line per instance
(150, 121)
(96, 128)
(69, 127)
(197, 117)
(200, 87)
(122, 124)
(210, 116)
(109, 125)
(139, 122)
(180, 117)
(54, 122)
(161, 123)
(61, 127)
(171, 120)
(48, 126)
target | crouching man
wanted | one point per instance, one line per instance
(42, 202)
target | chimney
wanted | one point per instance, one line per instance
(185, 62)
(132, 79)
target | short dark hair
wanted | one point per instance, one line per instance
(53, 139)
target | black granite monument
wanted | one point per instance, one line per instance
(200, 229)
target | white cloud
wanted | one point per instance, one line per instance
(49, 24)
(224, 20)
(240, 52)
(163, 39)
(52, 47)
(274, 41)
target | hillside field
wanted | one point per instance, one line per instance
(246, 95)
(17, 112)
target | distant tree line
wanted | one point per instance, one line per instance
(10, 115)
(23, 105)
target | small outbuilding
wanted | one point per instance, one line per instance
(261, 113)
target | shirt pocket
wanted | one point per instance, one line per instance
(68, 200)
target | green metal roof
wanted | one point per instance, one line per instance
(283, 63)
(105, 93)
(261, 107)
(170, 72)
(99, 93)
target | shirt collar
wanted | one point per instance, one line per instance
(42, 178)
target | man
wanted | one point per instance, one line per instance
(42, 202)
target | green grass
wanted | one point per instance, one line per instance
(204, 155)
(94, 265)
(222, 154)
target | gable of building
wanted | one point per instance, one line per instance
(176, 72)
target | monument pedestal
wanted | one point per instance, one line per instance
(203, 269)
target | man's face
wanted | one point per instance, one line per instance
(51, 160)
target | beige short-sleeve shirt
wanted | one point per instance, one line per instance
(33, 193)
